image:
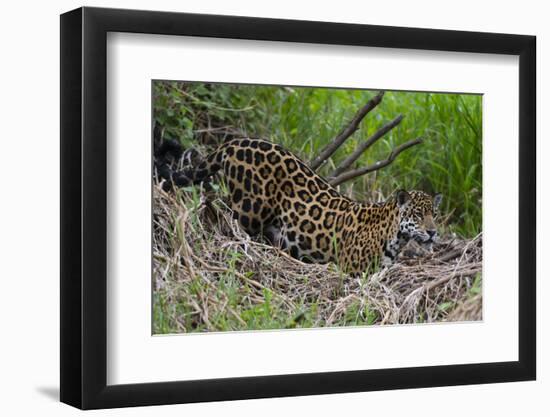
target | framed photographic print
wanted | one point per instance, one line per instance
(258, 207)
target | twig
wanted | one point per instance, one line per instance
(365, 145)
(450, 255)
(222, 129)
(210, 104)
(328, 150)
(444, 279)
(236, 315)
(349, 175)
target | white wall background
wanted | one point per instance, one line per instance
(29, 225)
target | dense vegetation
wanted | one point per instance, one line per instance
(306, 119)
(210, 276)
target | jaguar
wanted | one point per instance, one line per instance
(274, 193)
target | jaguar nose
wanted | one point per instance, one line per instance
(431, 233)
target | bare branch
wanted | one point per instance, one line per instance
(349, 175)
(328, 150)
(450, 255)
(365, 145)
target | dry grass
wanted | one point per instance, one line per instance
(211, 276)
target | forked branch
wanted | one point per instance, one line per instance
(365, 145)
(328, 150)
(349, 175)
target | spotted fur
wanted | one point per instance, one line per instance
(272, 192)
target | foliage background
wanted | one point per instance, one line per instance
(305, 119)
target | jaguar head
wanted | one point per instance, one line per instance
(417, 211)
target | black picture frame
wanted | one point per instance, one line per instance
(84, 207)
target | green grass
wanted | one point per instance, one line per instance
(172, 317)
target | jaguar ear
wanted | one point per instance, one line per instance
(402, 197)
(437, 200)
